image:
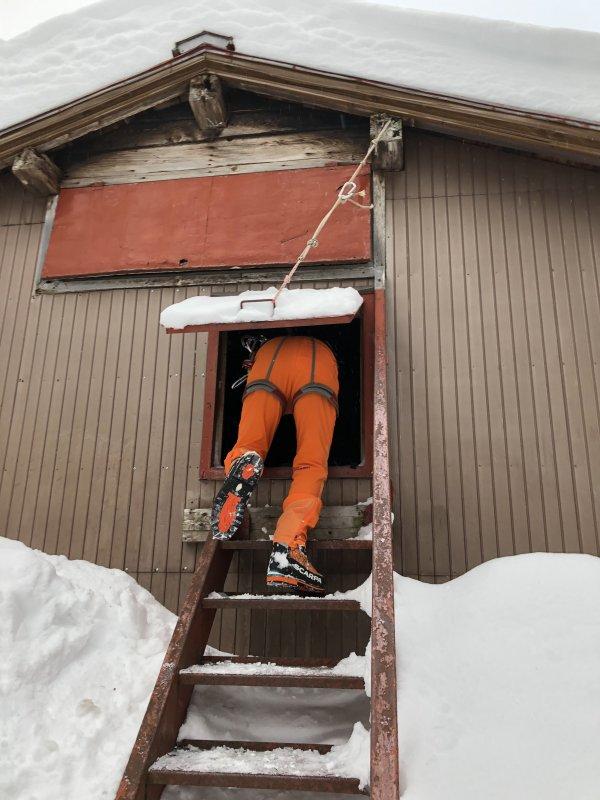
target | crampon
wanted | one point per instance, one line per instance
(232, 500)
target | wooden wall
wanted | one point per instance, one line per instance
(494, 303)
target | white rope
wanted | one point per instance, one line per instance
(345, 195)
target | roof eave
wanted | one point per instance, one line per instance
(544, 134)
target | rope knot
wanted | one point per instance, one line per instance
(313, 242)
(347, 191)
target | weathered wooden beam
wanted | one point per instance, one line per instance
(336, 522)
(389, 154)
(208, 104)
(37, 172)
(268, 153)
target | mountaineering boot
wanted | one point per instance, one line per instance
(290, 571)
(230, 503)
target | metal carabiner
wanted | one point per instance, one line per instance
(251, 343)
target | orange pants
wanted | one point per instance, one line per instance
(291, 362)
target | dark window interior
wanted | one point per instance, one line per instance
(346, 449)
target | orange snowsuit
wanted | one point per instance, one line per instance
(298, 375)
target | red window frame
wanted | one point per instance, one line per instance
(210, 471)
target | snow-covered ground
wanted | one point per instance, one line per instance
(499, 681)
(291, 304)
(80, 648)
(498, 684)
(541, 69)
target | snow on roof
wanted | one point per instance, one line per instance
(524, 66)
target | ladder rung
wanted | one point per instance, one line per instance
(233, 780)
(195, 766)
(285, 603)
(306, 680)
(282, 662)
(258, 747)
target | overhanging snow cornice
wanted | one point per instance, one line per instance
(547, 135)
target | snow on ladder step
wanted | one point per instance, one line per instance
(346, 674)
(280, 602)
(252, 765)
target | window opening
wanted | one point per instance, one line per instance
(347, 445)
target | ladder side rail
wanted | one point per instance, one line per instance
(168, 704)
(385, 777)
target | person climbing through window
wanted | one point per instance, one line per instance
(288, 374)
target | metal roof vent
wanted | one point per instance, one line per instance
(206, 39)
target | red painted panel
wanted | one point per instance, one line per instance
(223, 221)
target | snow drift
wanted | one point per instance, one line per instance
(80, 649)
(499, 681)
(525, 66)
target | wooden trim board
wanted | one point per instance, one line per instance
(221, 277)
(335, 522)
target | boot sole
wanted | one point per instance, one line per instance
(232, 499)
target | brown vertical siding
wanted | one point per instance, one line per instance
(494, 306)
(94, 430)
(100, 416)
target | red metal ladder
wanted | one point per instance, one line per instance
(143, 779)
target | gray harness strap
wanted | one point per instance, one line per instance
(265, 386)
(317, 388)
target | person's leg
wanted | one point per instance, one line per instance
(315, 419)
(261, 412)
